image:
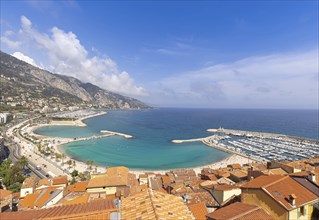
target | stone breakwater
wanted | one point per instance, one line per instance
(117, 133)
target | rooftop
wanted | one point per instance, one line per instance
(199, 210)
(97, 209)
(78, 187)
(224, 187)
(154, 205)
(28, 182)
(281, 187)
(46, 195)
(238, 211)
(115, 176)
(60, 180)
(4, 193)
(44, 182)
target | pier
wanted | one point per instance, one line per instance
(189, 140)
(117, 133)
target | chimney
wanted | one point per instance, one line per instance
(250, 169)
(312, 176)
(268, 165)
(292, 199)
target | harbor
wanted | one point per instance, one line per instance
(260, 146)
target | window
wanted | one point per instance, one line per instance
(301, 211)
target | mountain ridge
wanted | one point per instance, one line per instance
(19, 78)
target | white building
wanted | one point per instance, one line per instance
(5, 118)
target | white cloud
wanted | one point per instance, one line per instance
(271, 81)
(10, 43)
(24, 58)
(67, 56)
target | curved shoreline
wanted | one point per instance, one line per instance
(58, 142)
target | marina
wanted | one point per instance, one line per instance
(260, 146)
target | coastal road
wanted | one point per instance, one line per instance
(17, 143)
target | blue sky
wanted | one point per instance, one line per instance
(217, 54)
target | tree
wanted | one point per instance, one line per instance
(15, 187)
(57, 156)
(12, 176)
(73, 180)
(23, 162)
(73, 164)
(89, 163)
(75, 173)
(82, 176)
(69, 162)
(4, 167)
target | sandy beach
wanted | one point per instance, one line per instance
(78, 122)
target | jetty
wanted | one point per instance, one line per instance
(91, 137)
(117, 133)
(189, 140)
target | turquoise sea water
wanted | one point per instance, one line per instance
(151, 149)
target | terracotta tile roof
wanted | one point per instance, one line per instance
(207, 183)
(301, 173)
(28, 183)
(97, 209)
(224, 187)
(166, 180)
(60, 180)
(225, 180)
(239, 173)
(201, 196)
(78, 187)
(4, 193)
(238, 211)
(44, 182)
(235, 166)
(211, 177)
(46, 195)
(259, 214)
(199, 210)
(281, 187)
(262, 181)
(275, 171)
(28, 201)
(115, 176)
(154, 205)
(77, 200)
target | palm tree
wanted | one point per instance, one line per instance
(23, 161)
(69, 162)
(89, 163)
(73, 164)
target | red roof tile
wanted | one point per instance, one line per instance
(97, 209)
(280, 188)
(199, 210)
(238, 211)
(60, 180)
